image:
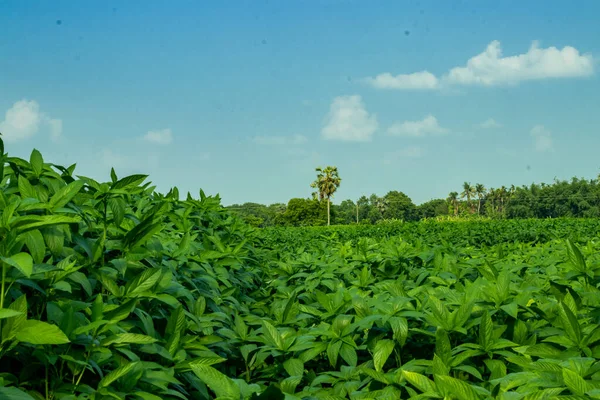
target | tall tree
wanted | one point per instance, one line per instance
(399, 206)
(467, 193)
(327, 182)
(453, 199)
(480, 191)
(382, 205)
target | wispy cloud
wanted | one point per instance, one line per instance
(490, 123)
(162, 137)
(423, 80)
(542, 139)
(349, 120)
(491, 68)
(407, 152)
(280, 140)
(24, 119)
(425, 127)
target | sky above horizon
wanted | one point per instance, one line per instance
(247, 98)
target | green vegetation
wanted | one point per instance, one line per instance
(327, 182)
(113, 291)
(578, 198)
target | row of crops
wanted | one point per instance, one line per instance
(112, 291)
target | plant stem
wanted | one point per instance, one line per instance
(87, 357)
(3, 283)
(47, 382)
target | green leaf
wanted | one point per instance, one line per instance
(576, 384)
(8, 313)
(570, 323)
(26, 189)
(443, 348)
(419, 381)
(511, 309)
(486, 331)
(81, 279)
(27, 223)
(200, 361)
(454, 388)
(400, 328)
(36, 245)
(439, 367)
(12, 324)
(130, 338)
(98, 247)
(216, 381)
(37, 162)
(177, 322)
(142, 232)
(65, 194)
(143, 282)
(146, 396)
(383, 350)
(38, 332)
(117, 373)
(289, 385)
(22, 261)
(13, 393)
(129, 181)
(63, 285)
(117, 207)
(333, 351)
(294, 367)
(497, 368)
(288, 307)
(272, 335)
(575, 257)
(113, 175)
(349, 355)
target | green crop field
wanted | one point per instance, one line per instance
(112, 291)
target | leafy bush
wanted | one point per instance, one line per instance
(110, 290)
(113, 291)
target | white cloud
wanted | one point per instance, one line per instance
(491, 68)
(280, 140)
(490, 123)
(348, 120)
(56, 127)
(162, 137)
(407, 152)
(542, 138)
(427, 126)
(24, 119)
(418, 81)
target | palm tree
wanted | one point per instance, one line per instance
(381, 205)
(468, 192)
(480, 191)
(453, 199)
(328, 180)
(502, 193)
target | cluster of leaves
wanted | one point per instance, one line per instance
(480, 233)
(110, 290)
(391, 319)
(113, 291)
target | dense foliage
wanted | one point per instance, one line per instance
(113, 291)
(110, 290)
(577, 198)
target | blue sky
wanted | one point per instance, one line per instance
(246, 98)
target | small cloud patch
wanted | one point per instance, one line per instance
(161, 137)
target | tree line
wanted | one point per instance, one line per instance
(561, 198)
